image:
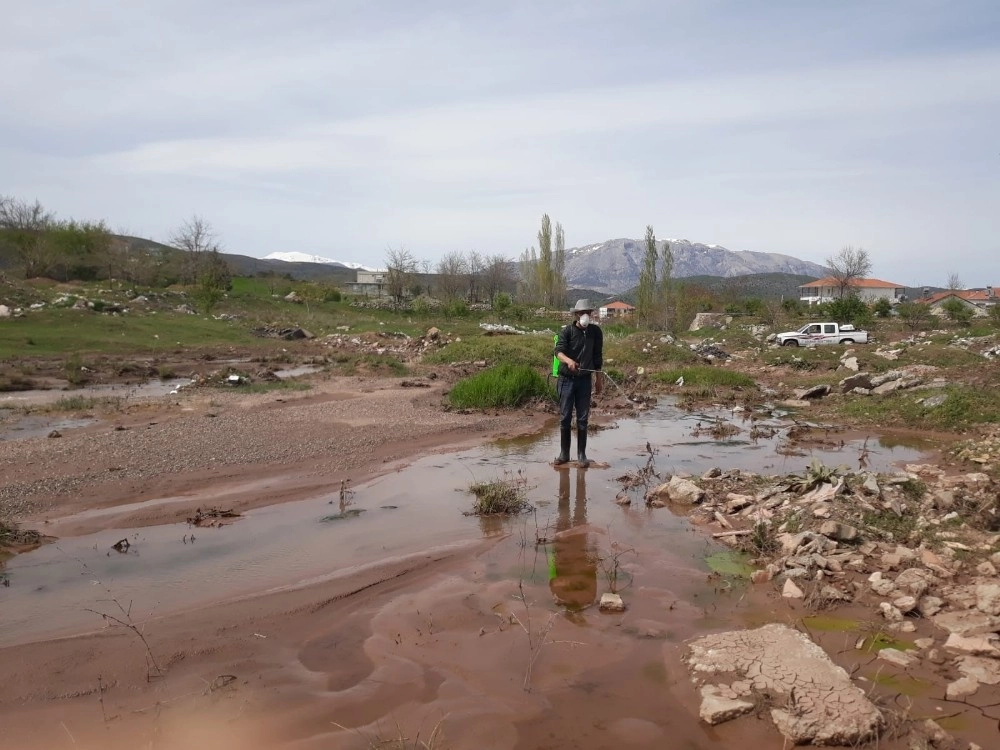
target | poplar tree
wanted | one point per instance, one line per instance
(646, 296)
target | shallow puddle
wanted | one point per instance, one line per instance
(135, 391)
(591, 545)
(38, 426)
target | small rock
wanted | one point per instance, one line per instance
(890, 613)
(895, 656)
(842, 532)
(735, 503)
(761, 576)
(714, 473)
(981, 645)
(851, 363)
(961, 688)
(928, 606)
(679, 490)
(791, 591)
(612, 603)
(816, 391)
(986, 569)
(988, 598)
(914, 581)
(55, 434)
(967, 623)
(881, 586)
(924, 643)
(981, 669)
(716, 709)
(905, 604)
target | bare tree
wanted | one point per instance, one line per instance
(545, 265)
(847, 267)
(195, 237)
(476, 263)
(954, 282)
(452, 270)
(20, 215)
(498, 276)
(400, 267)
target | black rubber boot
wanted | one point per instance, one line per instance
(581, 449)
(564, 439)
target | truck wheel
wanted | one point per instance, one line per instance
(847, 341)
(791, 342)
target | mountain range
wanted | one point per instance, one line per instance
(613, 267)
(306, 258)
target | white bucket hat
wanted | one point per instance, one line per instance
(583, 305)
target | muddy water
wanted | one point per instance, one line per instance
(152, 389)
(418, 507)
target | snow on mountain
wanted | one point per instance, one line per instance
(306, 258)
(614, 266)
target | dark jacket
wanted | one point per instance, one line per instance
(583, 345)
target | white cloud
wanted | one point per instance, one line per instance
(339, 128)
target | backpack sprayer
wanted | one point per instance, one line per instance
(555, 374)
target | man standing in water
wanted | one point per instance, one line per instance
(580, 351)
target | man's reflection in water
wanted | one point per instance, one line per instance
(572, 559)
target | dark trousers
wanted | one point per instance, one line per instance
(574, 393)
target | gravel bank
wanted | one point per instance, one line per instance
(340, 425)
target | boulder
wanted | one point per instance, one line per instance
(816, 391)
(851, 363)
(433, 334)
(4, 311)
(679, 490)
(776, 659)
(861, 380)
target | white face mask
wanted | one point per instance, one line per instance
(584, 320)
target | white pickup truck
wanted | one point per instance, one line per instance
(814, 334)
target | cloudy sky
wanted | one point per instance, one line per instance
(343, 127)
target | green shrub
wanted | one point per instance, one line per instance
(849, 310)
(706, 376)
(882, 307)
(957, 312)
(504, 386)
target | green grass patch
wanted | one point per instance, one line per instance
(963, 407)
(706, 376)
(77, 403)
(267, 386)
(504, 386)
(56, 332)
(532, 351)
(505, 496)
(898, 528)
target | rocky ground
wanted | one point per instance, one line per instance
(918, 550)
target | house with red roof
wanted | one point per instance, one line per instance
(869, 290)
(616, 309)
(978, 300)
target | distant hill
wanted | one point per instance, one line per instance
(613, 266)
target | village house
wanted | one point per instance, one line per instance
(978, 300)
(868, 290)
(615, 309)
(368, 283)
